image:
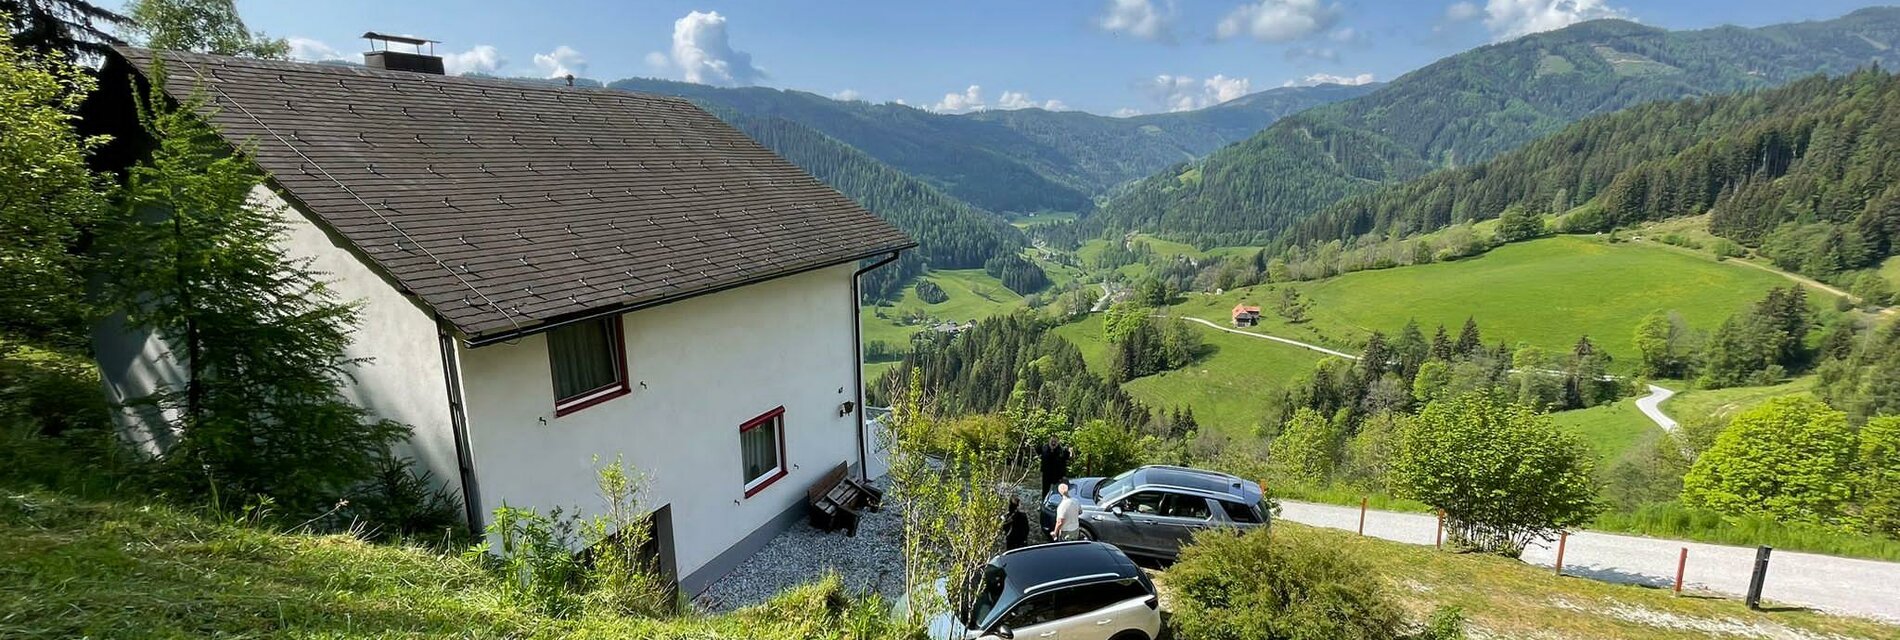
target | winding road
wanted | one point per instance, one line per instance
(1651, 405)
(1837, 585)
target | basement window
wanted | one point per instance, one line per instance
(589, 364)
(762, 450)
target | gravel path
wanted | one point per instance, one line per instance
(1836, 585)
(871, 562)
(1278, 339)
(1651, 405)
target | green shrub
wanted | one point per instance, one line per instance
(1270, 584)
(1103, 449)
(1448, 623)
(1789, 458)
(930, 293)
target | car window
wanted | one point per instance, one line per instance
(1088, 598)
(1184, 506)
(1239, 512)
(989, 588)
(1114, 487)
(1032, 611)
(1145, 503)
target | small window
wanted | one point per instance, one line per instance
(762, 450)
(588, 362)
(1184, 506)
(1032, 611)
(1147, 503)
(1238, 512)
(1089, 598)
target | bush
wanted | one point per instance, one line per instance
(930, 293)
(1271, 583)
(1789, 458)
(1504, 474)
(1103, 449)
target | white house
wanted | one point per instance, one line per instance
(552, 275)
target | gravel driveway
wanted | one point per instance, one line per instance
(871, 562)
(1837, 585)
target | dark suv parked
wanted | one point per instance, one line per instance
(1153, 510)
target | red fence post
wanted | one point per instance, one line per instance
(1562, 539)
(1438, 537)
(1682, 562)
(1362, 515)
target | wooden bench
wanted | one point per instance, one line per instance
(834, 501)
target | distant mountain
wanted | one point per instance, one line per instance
(1013, 161)
(1475, 105)
(950, 233)
(1808, 174)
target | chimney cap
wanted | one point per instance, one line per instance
(371, 35)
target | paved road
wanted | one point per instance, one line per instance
(1278, 339)
(1838, 585)
(1651, 405)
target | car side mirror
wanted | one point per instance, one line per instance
(1117, 510)
(1003, 631)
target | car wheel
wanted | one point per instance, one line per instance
(1130, 635)
(1086, 533)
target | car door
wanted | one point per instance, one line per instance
(1099, 611)
(1181, 516)
(1134, 527)
(1032, 618)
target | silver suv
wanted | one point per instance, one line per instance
(1063, 591)
(1154, 510)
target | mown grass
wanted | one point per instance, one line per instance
(1229, 387)
(1611, 429)
(972, 295)
(1505, 598)
(1544, 292)
(1674, 521)
(1697, 404)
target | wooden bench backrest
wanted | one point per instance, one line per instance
(826, 482)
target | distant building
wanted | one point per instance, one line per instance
(1246, 315)
(549, 276)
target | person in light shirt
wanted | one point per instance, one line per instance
(1068, 517)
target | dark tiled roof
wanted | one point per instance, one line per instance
(506, 205)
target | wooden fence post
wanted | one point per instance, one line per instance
(1362, 515)
(1562, 539)
(1438, 537)
(1682, 562)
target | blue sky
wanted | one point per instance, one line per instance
(1101, 56)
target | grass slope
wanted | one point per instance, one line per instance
(1611, 429)
(1228, 387)
(1696, 404)
(1545, 292)
(1504, 598)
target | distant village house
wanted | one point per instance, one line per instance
(1246, 315)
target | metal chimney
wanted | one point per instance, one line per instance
(384, 58)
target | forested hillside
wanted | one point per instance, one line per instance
(950, 233)
(1809, 174)
(1475, 105)
(1014, 161)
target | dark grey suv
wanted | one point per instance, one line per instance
(1154, 510)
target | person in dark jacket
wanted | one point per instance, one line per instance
(1055, 462)
(1015, 526)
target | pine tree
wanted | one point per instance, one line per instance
(1469, 342)
(1441, 345)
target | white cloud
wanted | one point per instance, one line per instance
(1183, 93)
(1278, 20)
(1512, 18)
(847, 95)
(1138, 18)
(1126, 112)
(703, 53)
(562, 61)
(313, 49)
(1327, 78)
(657, 61)
(481, 59)
(970, 100)
(1021, 100)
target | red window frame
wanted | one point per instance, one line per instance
(591, 397)
(784, 468)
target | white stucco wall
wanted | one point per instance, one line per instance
(698, 368)
(402, 381)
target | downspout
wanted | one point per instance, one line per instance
(857, 364)
(458, 425)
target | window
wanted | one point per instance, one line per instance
(762, 450)
(1184, 506)
(1146, 503)
(589, 364)
(1239, 512)
(1031, 611)
(1089, 598)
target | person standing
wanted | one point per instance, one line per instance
(1055, 463)
(1068, 517)
(1015, 526)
